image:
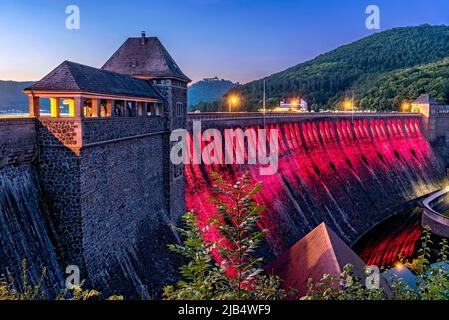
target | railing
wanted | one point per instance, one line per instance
(257, 115)
(438, 222)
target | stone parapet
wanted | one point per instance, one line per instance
(17, 141)
(99, 130)
(432, 217)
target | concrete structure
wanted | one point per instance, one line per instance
(435, 213)
(104, 165)
(146, 58)
(240, 119)
(18, 141)
(350, 171)
(436, 118)
(101, 179)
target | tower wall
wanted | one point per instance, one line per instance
(438, 128)
(106, 181)
(175, 93)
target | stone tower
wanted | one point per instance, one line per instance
(146, 58)
(105, 169)
(428, 107)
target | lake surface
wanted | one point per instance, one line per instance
(399, 235)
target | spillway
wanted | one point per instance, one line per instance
(349, 172)
(24, 233)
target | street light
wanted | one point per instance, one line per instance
(405, 106)
(348, 105)
(233, 100)
(295, 103)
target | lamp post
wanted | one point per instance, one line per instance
(232, 101)
(348, 105)
(405, 106)
(294, 103)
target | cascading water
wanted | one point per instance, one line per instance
(347, 173)
(24, 234)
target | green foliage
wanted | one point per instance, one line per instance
(237, 218)
(36, 292)
(78, 294)
(200, 276)
(210, 106)
(226, 269)
(432, 282)
(389, 90)
(422, 265)
(29, 292)
(444, 253)
(384, 69)
(205, 92)
(342, 287)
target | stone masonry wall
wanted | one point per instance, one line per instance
(174, 180)
(126, 225)
(106, 129)
(59, 170)
(17, 141)
(108, 196)
(439, 134)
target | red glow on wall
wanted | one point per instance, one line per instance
(328, 171)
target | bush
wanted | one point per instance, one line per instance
(225, 269)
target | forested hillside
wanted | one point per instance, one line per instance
(383, 69)
(12, 98)
(393, 88)
(208, 90)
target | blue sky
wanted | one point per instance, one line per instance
(240, 40)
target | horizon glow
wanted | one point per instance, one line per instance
(236, 40)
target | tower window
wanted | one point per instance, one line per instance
(179, 109)
(158, 110)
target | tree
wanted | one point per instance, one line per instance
(432, 281)
(227, 268)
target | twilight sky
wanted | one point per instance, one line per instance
(240, 40)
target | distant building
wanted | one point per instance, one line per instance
(423, 103)
(436, 124)
(298, 105)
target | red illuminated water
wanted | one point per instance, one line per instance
(397, 236)
(344, 173)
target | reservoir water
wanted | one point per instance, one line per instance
(398, 235)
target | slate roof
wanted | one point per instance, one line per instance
(320, 252)
(150, 59)
(425, 99)
(71, 76)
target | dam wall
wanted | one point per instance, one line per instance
(347, 170)
(99, 192)
(435, 213)
(25, 231)
(107, 180)
(17, 141)
(92, 193)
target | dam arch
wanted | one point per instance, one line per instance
(348, 170)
